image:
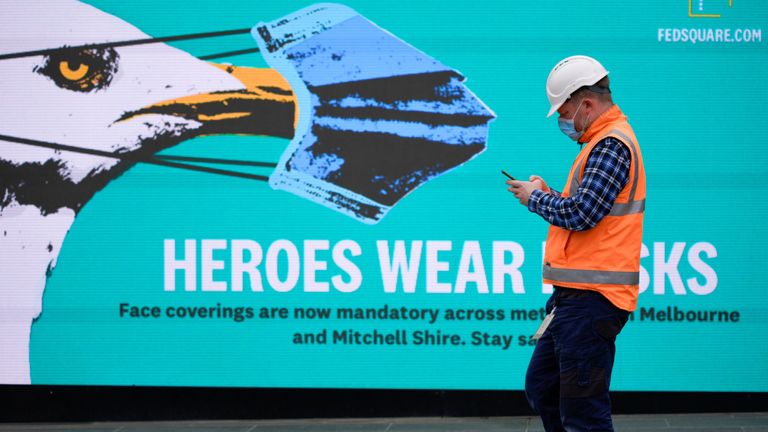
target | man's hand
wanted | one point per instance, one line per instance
(523, 189)
(541, 184)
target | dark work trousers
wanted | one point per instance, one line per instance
(570, 371)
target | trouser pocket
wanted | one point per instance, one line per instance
(608, 329)
(583, 374)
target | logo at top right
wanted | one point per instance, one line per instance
(707, 8)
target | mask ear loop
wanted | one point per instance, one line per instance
(167, 161)
(595, 89)
(581, 144)
(141, 42)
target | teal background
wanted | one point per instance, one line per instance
(698, 112)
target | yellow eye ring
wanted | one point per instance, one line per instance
(72, 75)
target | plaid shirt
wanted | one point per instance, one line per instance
(605, 175)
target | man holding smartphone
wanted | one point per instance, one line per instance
(592, 254)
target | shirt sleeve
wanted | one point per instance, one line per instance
(605, 175)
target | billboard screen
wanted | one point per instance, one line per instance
(308, 195)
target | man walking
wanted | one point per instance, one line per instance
(592, 254)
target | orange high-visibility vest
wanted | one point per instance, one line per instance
(605, 258)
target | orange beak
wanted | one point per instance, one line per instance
(267, 106)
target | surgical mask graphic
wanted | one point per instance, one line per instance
(369, 132)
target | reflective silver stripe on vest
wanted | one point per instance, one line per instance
(623, 209)
(631, 144)
(574, 187)
(618, 209)
(591, 276)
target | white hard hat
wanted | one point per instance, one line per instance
(569, 75)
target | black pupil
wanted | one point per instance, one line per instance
(73, 64)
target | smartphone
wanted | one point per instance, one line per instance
(507, 174)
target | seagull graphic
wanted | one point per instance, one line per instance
(130, 101)
(369, 118)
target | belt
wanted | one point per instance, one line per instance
(564, 292)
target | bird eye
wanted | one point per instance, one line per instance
(82, 70)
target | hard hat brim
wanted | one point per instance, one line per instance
(554, 109)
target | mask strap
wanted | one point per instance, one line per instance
(139, 42)
(167, 161)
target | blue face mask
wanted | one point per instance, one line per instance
(569, 128)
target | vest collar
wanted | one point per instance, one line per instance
(610, 116)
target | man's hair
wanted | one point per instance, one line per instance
(600, 91)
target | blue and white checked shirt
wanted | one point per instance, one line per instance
(605, 175)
